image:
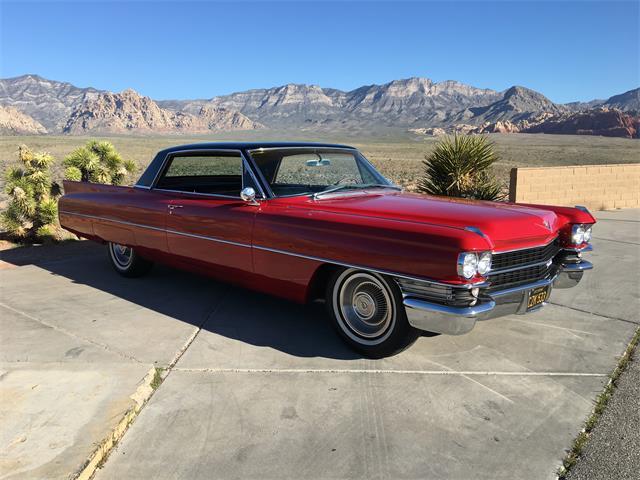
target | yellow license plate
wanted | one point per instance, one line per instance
(537, 297)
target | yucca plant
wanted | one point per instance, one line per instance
(33, 208)
(98, 162)
(460, 166)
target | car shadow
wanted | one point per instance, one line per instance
(229, 311)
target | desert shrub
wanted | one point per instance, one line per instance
(98, 162)
(32, 210)
(460, 166)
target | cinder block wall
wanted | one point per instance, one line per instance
(597, 187)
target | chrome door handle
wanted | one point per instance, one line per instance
(172, 207)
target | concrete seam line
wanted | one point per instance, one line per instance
(212, 311)
(594, 313)
(572, 331)
(615, 241)
(141, 396)
(381, 371)
(473, 380)
(616, 220)
(71, 334)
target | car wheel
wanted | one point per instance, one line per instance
(127, 262)
(367, 312)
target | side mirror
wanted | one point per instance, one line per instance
(248, 194)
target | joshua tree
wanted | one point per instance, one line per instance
(98, 162)
(33, 209)
(460, 166)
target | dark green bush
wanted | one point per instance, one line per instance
(460, 166)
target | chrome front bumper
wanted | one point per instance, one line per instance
(438, 318)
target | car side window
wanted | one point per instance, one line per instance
(214, 174)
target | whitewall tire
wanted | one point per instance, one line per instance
(126, 261)
(367, 311)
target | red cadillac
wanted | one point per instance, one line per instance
(306, 221)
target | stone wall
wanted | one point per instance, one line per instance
(597, 187)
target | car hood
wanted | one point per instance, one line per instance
(506, 225)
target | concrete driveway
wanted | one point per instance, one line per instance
(258, 388)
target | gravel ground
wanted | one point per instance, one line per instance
(613, 450)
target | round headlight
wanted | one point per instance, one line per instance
(587, 234)
(577, 234)
(484, 263)
(468, 265)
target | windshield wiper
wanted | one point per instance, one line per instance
(355, 186)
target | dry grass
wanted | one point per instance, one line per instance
(399, 155)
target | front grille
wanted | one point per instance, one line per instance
(519, 277)
(457, 297)
(524, 257)
(511, 269)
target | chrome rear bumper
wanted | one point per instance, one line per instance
(439, 318)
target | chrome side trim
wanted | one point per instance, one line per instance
(158, 229)
(363, 267)
(283, 252)
(211, 239)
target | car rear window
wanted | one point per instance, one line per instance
(204, 166)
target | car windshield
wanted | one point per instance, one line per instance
(311, 171)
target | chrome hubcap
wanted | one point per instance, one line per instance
(365, 305)
(122, 254)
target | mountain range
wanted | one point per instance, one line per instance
(415, 103)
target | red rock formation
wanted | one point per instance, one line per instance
(599, 121)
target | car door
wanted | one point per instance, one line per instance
(207, 222)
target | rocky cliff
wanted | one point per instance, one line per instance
(397, 103)
(603, 121)
(47, 101)
(14, 122)
(516, 104)
(130, 112)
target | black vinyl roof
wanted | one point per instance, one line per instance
(147, 178)
(249, 146)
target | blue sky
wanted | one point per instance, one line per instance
(566, 50)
